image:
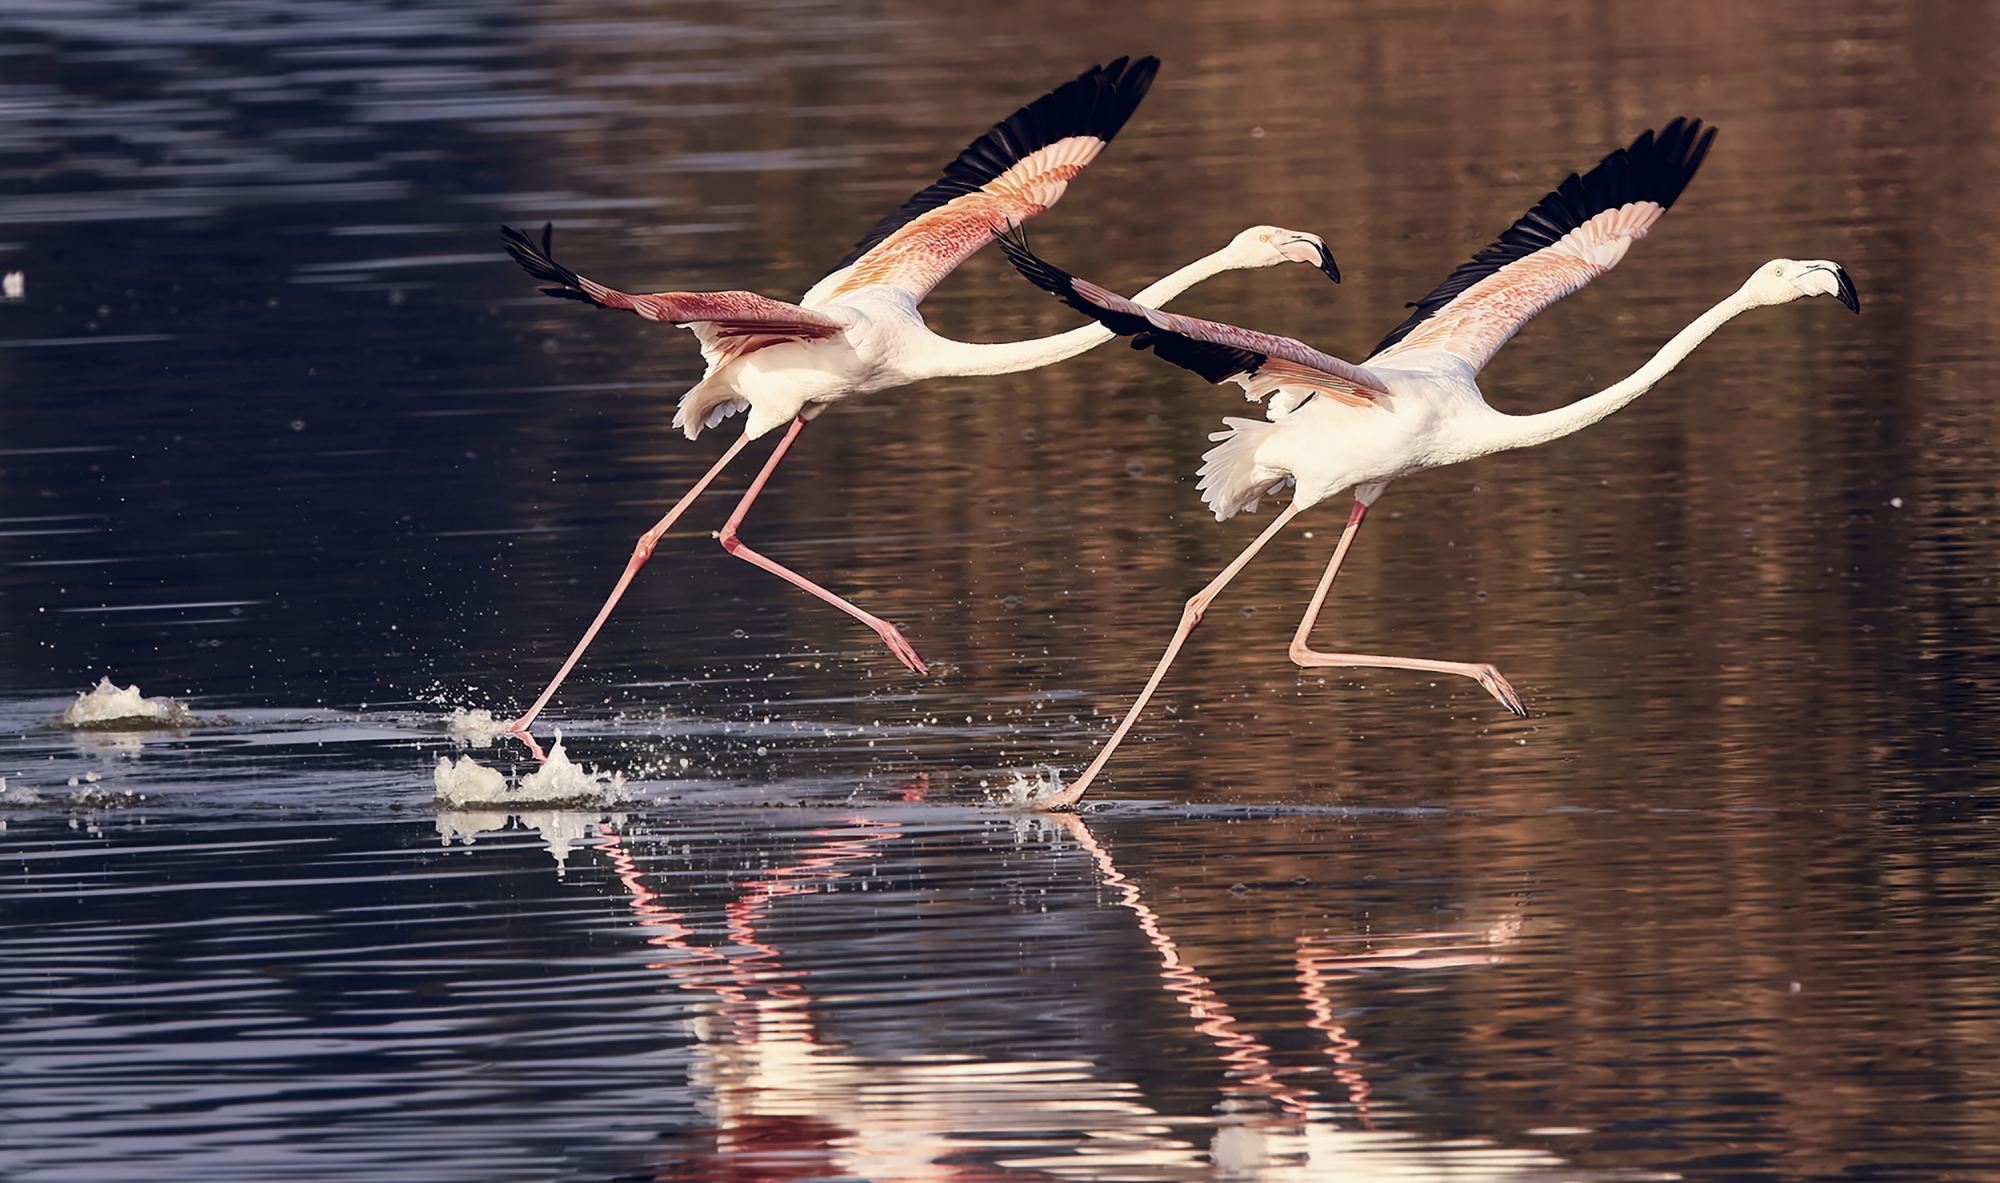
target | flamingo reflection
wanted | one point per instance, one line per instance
(786, 1102)
(1319, 963)
(1249, 1060)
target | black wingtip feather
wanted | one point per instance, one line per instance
(1061, 284)
(537, 262)
(1096, 102)
(1216, 363)
(1655, 167)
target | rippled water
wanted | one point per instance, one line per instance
(283, 434)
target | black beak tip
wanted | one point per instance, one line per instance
(1327, 264)
(1846, 291)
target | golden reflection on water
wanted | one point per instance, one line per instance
(786, 1100)
(782, 1100)
(1746, 832)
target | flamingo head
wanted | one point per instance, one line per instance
(1268, 246)
(1781, 280)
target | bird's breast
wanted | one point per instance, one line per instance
(1327, 446)
(800, 372)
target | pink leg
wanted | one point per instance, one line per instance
(1485, 675)
(640, 553)
(730, 542)
(1190, 616)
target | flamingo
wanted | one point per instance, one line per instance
(858, 330)
(1413, 404)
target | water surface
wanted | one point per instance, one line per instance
(283, 434)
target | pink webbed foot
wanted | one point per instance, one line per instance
(900, 646)
(1498, 687)
(1062, 800)
(520, 732)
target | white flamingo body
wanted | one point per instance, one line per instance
(859, 331)
(1333, 426)
(778, 383)
(1432, 412)
(1324, 447)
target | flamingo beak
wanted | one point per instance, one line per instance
(1326, 262)
(1845, 292)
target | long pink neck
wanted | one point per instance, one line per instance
(1500, 432)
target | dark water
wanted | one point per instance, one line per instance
(283, 434)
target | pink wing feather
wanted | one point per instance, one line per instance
(731, 314)
(1302, 358)
(1476, 324)
(1019, 168)
(729, 324)
(1259, 362)
(917, 256)
(1570, 237)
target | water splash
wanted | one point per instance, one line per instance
(559, 779)
(560, 782)
(467, 782)
(86, 797)
(1026, 790)
(107, 705)
(475, 728)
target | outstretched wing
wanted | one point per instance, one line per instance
(1569, 238)
(1260, 363)
(1006, 176)
(731, 323)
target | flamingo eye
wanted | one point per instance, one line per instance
(1263, 238)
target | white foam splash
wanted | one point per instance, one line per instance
(559, 779)
(476, 728)
(19, 795)
(466, 783)
(106, 703)
(89, 796)
(1026, 791)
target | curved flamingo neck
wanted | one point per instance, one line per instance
(944, 357)
(1502, 432)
